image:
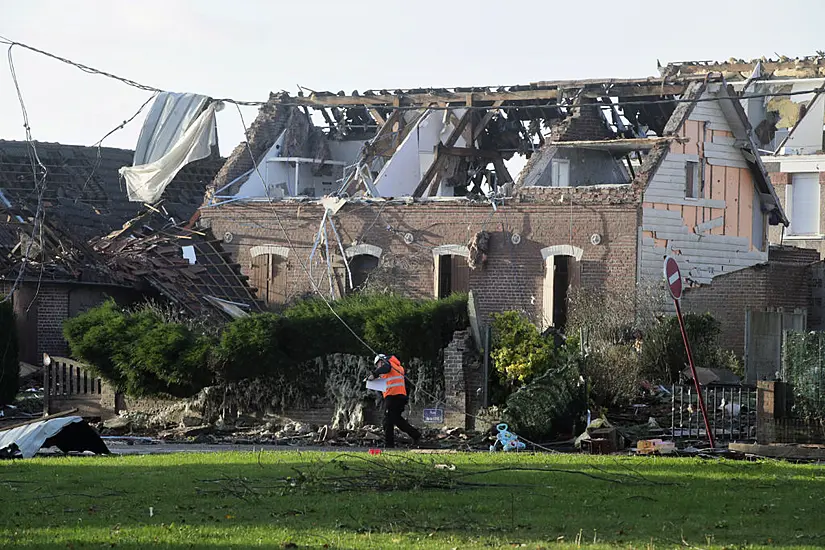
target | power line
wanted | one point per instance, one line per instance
(545, 105)
(39, 186)
(99, 144)
(292, 245)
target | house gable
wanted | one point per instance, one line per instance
(705, 199)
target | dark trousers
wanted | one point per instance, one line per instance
(393, 408)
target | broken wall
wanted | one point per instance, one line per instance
(586, 167)
(784, 282)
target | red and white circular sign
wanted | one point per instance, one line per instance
(673, 277)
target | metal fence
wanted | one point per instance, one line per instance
(731, 413)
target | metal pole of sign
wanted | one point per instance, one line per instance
(488, 337)
(693, 372)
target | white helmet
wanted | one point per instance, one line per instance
(380, 357)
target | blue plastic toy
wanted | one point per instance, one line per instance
(507, 439)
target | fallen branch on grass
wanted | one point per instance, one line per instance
(351, 472)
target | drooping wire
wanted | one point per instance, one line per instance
(292, 245)
(99, 144)
(39, 186)
(145, 87)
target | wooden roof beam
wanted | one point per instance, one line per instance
(643, 88)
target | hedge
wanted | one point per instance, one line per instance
(144, 354)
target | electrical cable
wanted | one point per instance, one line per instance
(99, 144)
(292, 245)
(39, 187)
(138, 85)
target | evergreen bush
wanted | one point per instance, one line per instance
(9, 361)
(144, 352)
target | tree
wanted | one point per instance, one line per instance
(9, 361)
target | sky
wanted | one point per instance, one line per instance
(245, 49)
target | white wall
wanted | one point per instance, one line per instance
(282, 174)
(403, 172)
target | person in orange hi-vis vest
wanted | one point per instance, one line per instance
(395, 398)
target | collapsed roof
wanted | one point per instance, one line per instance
(432, 142)
(92, 233)
(186, 266)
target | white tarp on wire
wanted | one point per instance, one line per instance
(146, 182)
(171, 114)
(30, 438)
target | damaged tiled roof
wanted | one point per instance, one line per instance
(84, 193)
(149, 250)
(61, 258)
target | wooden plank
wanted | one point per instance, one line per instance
(377, 116)
(486, 119)
(691, 215)
(435, 167)
(663, 225)
(681, 158)
(715, 181)
(745, 213)
(661, 213)
(732, 201)
(591, 88)
(721, 148)
(706, 203)
(720, 139)
(676, 236)
(710, 224)
(717, 255)
(734, 157)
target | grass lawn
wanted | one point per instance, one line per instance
(179, 501)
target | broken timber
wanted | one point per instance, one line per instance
(457, 97)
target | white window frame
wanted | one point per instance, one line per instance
(560, 173)
(695, 191)
(805, 228)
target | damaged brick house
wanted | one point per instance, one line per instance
(94, 243)
(422, 201)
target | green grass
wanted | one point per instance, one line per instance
(105, 502)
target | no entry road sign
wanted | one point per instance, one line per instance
(673, 277)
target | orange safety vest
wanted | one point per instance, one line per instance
(395, 378)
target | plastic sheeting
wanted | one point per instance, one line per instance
(171, 114)
(146, 182)
(32, 437)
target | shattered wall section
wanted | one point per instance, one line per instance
(270, 123)
(783, 283)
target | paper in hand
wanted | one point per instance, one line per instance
(379, 384)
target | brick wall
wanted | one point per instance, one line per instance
(52, 310)
(513, 275)
(785, 282)
(262, 133)
(586, 123)
(455, 386)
